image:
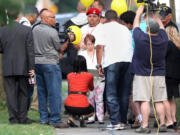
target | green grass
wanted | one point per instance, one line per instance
(20, 129)
(178, 110)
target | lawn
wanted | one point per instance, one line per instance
(20, 129)
(32, 129)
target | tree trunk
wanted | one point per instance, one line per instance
(107, 4)
(2, 93)
(172, 5)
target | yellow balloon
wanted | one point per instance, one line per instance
(139, 4)
(54, 9)
(119, 6)
(87, 3)
(77, 32)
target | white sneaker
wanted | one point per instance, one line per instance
(123, 126)
(113, 127)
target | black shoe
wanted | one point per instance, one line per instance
(26, 121)
(71, 123)
(170, 126)
(13, 121)
(101, 122)
(175, 125)
(82, 123)
(60, 125)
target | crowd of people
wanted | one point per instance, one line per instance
(128, 60)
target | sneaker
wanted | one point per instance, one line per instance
(123, 126)
(143, 130)
(113, 127)
(136, 125)
(163, 128)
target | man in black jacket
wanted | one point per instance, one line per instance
(16, 44)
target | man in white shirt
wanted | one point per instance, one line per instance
(93, 25)
(92, 28)
(115, 47)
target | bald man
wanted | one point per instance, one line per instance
(48, 73)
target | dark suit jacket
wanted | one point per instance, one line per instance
(16, 44)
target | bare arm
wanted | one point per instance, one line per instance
(99, 54)
(137, 19)
(156, 17)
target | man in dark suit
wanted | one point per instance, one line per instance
(16, 44)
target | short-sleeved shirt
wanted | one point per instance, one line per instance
(46, 44)
(117, 42)
(143, 26)
(141, 58)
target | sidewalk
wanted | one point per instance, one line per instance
(96, 129)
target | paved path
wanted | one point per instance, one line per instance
(92, 130)
(96, 129)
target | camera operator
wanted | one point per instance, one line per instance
(48, 72)
(141, 68)
(66, 63)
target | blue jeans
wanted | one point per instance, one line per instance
(49, 79)
(118, 85)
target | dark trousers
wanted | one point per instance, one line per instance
(16, 96)
(30, 94)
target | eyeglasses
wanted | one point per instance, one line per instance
(51, 16)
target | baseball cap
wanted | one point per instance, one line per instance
(165, 10)
(93, 11)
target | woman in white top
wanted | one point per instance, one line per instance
(96, 96)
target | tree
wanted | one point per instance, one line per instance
(12, 9)
(172, 5)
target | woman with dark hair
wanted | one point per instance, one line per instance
(80, 81)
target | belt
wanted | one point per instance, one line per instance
(77, 92)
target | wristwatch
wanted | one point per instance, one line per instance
(98, 66)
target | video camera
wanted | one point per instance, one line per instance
(63, 34)
(151, 6)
